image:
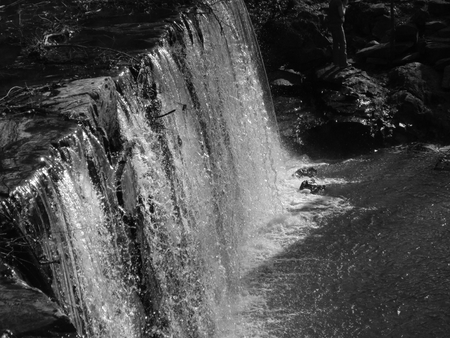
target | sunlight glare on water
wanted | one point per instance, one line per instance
(301, 212)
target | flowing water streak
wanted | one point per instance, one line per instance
(213, 156)
(69, 216)
(150, 243)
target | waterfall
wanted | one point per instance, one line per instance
(137, 215)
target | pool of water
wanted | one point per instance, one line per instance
(370, 257)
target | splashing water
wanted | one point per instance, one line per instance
(148, 241)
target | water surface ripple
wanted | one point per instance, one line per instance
(369, 258)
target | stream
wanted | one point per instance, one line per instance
(367, 258)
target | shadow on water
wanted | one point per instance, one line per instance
(379, 269)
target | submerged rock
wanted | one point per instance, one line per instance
(312, 187)
(309, 171)
(443, 164)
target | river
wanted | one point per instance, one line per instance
(369, 257)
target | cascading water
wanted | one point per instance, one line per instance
(141, 225)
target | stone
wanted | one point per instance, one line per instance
(362, 15)
(383, 51)
(416, 78)
(371, 43)
(443, 163)
(413, 57)
(297, 44)
(26, 309)
(439, 7)
(446, 78)
(382, 26)
(376, 10)
(442, 63)
(410, 109)
(358, 99)
(434, 26)
(435, 51)
(306, 171)
(443, 33)
(24, 152)
(312, 186)
(419, 20)
(406, 33)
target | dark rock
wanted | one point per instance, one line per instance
(410, 109)
(406, 33)
(300, 44)
(443, 33)
(441, 64)
(439, 7)
(26, 309)
(358, 98)
(8, 53)
(434, 26)
(435, 51)
(26, 136)
(413, 57)
(382, 26)
(419, 19)
(309, 172)
(362, 16)
(443, 164)
(383, 51)
(418, 79)
(312, 186)
(446, 78)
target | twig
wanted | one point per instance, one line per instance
(158, 117)
(9, 91)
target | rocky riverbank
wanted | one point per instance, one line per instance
(396, 91)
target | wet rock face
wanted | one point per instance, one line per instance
(395, 93)
(24, 309)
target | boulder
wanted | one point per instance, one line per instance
(413, 57)
(434, 26)
(435, 51)
(439, 8)
(358, 98)
(362, 16)
(442, 63)
(406, 33)
(299, 44)
(443, 163)
(446, 78)
(383, 51)
(443, 33)
(382, 26)
(377, 10)
(410, 109)
(26, 309)
(419, 19)
(418, 79)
